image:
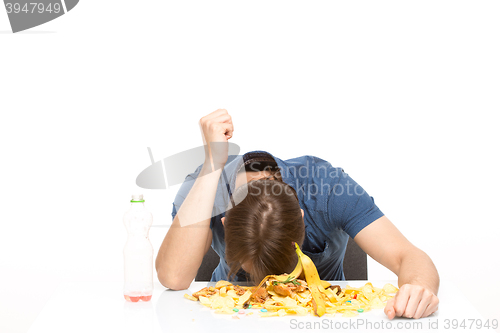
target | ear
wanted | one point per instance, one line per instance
(302, 212)
(222, 219)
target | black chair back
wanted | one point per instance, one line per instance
(355, 263)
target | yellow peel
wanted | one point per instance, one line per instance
(325, 284)
(293, 275)
(313, 282)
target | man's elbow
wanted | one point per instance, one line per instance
(172, 282)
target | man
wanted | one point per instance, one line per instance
(231, 205)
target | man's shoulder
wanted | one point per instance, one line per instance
(309, 169)
(307, 158)
(310, 162)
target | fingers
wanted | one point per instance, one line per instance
(219, 115)
(389, 309)
(209, 118)
(216, 127)
(215, 114)
(426, 300)
(228, 129)
(226, 118)
(433, 306)
(401, 300)
(412, 301)
(223, 118)
(216, 120)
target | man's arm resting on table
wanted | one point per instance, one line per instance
(187, 241)
(178, 273)
(418, 278)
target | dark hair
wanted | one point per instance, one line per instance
(262, 227)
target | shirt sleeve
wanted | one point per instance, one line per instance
(184, 190)
(350, 208)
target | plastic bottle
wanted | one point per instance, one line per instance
(138, 252)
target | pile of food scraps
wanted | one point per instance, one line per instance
(292, 297)
(287, 294)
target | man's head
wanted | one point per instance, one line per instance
(260, 229)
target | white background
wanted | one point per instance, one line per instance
(400, 94)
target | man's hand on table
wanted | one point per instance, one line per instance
(412, 301)
(417, 275)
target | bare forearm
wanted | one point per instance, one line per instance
(417, 268)
(183, 248)
(418, 278)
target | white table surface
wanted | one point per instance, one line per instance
(100, 307)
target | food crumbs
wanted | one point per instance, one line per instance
(236, 317)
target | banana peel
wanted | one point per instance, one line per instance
(293, 275)
(313, 282)
(325, 284)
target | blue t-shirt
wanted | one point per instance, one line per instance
(335, 207)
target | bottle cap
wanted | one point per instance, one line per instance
(137, 198)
